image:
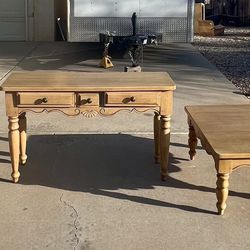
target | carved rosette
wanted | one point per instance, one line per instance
(89, 113)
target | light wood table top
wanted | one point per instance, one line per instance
(224, 132)
(88, 94)
(88, 81)
(225, 128)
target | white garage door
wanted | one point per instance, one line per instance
(12, 20)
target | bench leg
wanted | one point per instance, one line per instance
(192, 141)
(222, 192)
(23, 138)
(164, 143)
(157, 137)
(14, 141)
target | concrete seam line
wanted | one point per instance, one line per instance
(33, 48)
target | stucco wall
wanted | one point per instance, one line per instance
(42, 16)
(44, 20)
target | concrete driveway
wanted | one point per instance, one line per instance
(93, 184)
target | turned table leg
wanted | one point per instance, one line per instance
(222, 192)
(192, 141)
(23, 138)
(164, 143)
(14, 141)
(157, 137)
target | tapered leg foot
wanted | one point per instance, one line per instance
(14, 144)
(157, 137)
(164, 177)
(192, 142)
(164, 142)
(15, 176)
(222, 192)
(23, 161)
(23, 138)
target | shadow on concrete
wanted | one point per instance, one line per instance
(149, 201)
(4, 160)
(101, 165)
(3, 153)
(86, 57)
(61, 55)
(5, 180)
(4, 138)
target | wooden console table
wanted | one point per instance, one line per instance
(224, 132)
(88, 94)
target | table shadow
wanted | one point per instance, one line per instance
(101, 165)
(3, 153)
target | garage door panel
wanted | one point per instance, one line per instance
(12, 6)
(12, 20)
(12, 31)
(12, 13)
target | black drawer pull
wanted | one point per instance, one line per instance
(44, 100)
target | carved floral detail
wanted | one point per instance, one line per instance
(68, 112)
(89, 113)
(113, 111)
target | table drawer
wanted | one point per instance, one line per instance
(45, 99)
(87, 99)
(132, 98)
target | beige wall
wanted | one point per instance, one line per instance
(44, 20)
(42, 16)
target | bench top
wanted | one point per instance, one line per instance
(88, 81)
(225, 129)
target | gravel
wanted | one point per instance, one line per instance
(230, 54)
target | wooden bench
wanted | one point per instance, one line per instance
(224, 132)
